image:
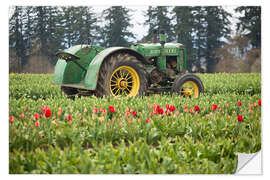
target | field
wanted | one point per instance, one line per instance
(156, 134)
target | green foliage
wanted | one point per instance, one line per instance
(182, 141)
(202, 30)
(158, 19)
(116, 30)
(250, 24)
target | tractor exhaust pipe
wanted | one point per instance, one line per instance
(155, 36)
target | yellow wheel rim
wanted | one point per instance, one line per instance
(124, 81)
(189, 89)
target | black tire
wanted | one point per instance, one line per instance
(115, 61)
(69, 91)
(180, 81)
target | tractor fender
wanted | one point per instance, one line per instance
(92, 73)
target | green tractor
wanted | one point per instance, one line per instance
(143, 68)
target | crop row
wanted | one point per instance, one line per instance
(151, 134)
(36, 86)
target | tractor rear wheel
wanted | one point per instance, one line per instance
(122, 74)
(188, 85)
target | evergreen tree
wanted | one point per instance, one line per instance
(16, 40)
(85, 26)
(157, 19)
(116, 32)
(200, 33)
(250, 24)
(217, 28)
(183, 30)
(68, 22)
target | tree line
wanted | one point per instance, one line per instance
(202, 29)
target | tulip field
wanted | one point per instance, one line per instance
(156, 134)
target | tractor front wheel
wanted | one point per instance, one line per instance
(122, 75)
(188, 85)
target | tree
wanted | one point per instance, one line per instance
(250, 24)
(199, 34)
(217, 29)
(157, 19)
(184, 30)
(16, 40)
(116, 32)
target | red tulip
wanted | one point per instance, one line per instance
(69, 117)
(214, 107)
(239, 103)
(191, 110)
(134, 113)
(260, 102)
(240, 118)
(36, 116)
(197, 108)
(151, 114)
(44, 108)
(95, 110)
(147, 120)
(160, 111)
(37, 124)
(11, 119)
(41, 115)
(104, 111)
(172, 108)
(101, 109)
(112, 109)
(186, 106)
(22, 115)
(48, 113)
(167, 106)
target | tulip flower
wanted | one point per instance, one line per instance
(214, 107)
(11, 119)
(48, 113)
(240, 118)
(36, 116)
(172, 108)
(197, 108)
(134, 113)
(22, 116)
(112, 109)
(239, 103)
